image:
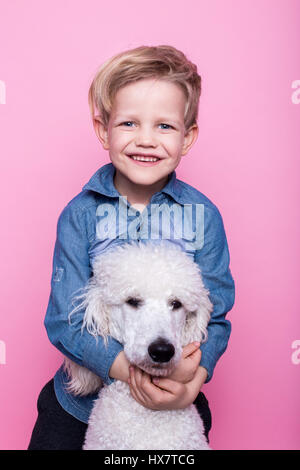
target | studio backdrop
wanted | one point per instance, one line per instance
(246, 160)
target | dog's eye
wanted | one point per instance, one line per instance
(133, 301)
(176, 304)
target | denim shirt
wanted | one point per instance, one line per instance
(98, 219)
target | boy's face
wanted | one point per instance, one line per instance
(146, 123)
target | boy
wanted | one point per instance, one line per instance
(144, 105)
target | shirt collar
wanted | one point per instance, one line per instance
(103, 182)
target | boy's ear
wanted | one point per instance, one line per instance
(101, 132)
(190, 138)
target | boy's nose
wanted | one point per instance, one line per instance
(145, 138)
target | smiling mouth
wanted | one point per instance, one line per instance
(144, 158)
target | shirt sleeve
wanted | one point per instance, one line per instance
(71, 272)
(213, 260)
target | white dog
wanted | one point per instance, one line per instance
(151, 298)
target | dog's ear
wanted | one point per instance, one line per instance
(96, 312)
(195, 328)
(96, 317)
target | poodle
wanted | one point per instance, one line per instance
(150, 297)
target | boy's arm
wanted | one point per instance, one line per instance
(71, 272)
(120, 368)
(213, 260)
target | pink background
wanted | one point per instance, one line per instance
(246, 161)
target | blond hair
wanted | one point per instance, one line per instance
(162, 62)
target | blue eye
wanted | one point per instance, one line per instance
(126, 122)
(167, 126)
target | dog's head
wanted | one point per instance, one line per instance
(151, 298)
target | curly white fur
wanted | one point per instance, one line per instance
(156, 276)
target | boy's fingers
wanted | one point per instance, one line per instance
(141, 383)
(196, 355)
(150, 388)
(137, 396)
(134, 385)
(167, 384)
(190, 349)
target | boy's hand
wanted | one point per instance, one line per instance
(164, 393)
(188, 364)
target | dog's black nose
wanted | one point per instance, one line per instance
(161, 350)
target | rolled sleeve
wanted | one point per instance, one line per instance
(71, 272)
(213, 260)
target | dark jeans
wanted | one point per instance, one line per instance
(55, 429)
